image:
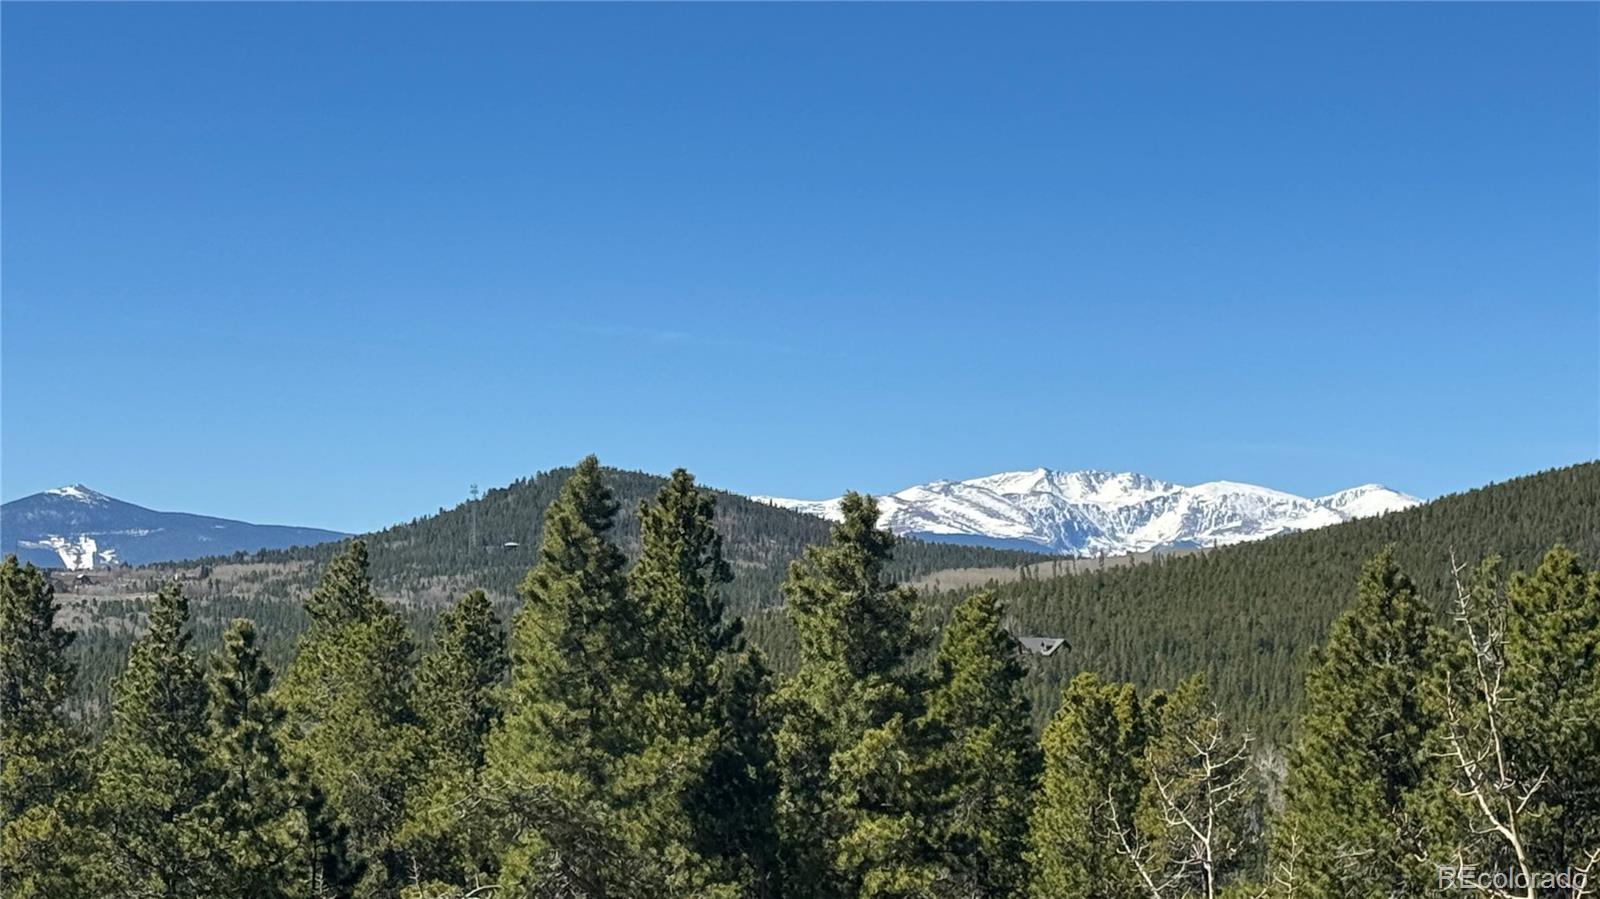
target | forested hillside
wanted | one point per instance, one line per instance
(1247, 616)
(617, 735)
(424, 564)
(435, 556)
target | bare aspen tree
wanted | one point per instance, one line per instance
(1504, 795)
(1474, 699)
(1284, 874)
(1197, 821)
(418, 889)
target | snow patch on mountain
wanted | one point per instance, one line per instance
(1091, 512)
(77, 554)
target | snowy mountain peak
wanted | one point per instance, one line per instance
(1087, 512)
(1367, 499)
(78, 492)
(1012, 482)
(77, 528)
(1077, 486)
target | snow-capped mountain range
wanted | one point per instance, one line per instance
(1092, 512)
(78, 529)
(1067, 512)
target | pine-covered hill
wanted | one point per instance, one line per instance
(435, 556)
(428, 562)
(1249, 615)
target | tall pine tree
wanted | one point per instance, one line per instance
(733, 805)
(349, 721)
(1093, 749)
(1553, 655)
(1360, 749)
(677, 584)
(154, 780)
(590, 800)
(41, 760)
(458, 683)
(459, 700)
(853, 756)
(715, 690)
(256, 820)
(989, 761)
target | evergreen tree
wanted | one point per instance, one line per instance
(344, 595)
(155, 779)
(852, 751)
(1553, 670)
(349, 720)
(678, 584)
(713, 691)
(1093, 750)
(41, 764)
(989, 760)
(256, 823)
(590, 796)
(458, 699)
(458, 684)
(1360, 751)
(331, 869)
(733, 805)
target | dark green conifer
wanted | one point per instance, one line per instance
(1553, 655)
(41, 760)
(1093, 752)
(344, 595)
(590, 791)
(154, 779)
(459, 700)
(349, 723)
(256, 813)
(678, 582)
(1360, 749)
(331, 869)
(733, 806)
(711, 692)
(988, 760)
(458, 683)
(853, 756)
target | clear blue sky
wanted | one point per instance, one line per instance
(328, 264)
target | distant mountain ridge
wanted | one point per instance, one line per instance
(1091, 512)
(81, 529)
(1041, 510)
(432, 558)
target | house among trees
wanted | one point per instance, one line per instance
(1043, 646)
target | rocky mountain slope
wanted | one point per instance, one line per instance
(1092, 512)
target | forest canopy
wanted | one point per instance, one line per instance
(619, 731)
